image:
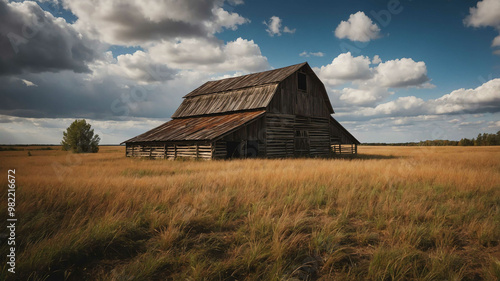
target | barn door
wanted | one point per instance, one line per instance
(301, 143)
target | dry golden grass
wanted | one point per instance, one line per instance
(393, 213)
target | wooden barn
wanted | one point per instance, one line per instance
(279, 113)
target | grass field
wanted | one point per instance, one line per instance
(393, 213)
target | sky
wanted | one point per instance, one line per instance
(395, 71)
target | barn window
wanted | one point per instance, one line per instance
(302, 81)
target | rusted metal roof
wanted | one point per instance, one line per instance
(236, 100)
(245, 81)
(197, 128)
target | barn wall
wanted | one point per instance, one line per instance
(169, 150)
(288, 99)
(289, 136)
(153, 150)
(279, 135)
(189, 150)
(319, 137)
(338, 135)
(219, 150)
(340, 141)
(252, 134)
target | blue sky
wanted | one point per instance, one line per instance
(395, 71)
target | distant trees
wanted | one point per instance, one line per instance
(482, 139)
(437, 143)
(80, 138)
(466, 142)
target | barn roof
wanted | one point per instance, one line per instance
(245, 81)
(344, 130)
(247, 92)
(197, 128)
(227, 101)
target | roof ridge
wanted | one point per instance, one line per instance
(231, 83)
(260, 72)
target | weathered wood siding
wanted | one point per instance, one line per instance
(253, 132)
(189, 150)
(288, 99)
(338, 135)
(279, 135)
(170, 150)
(219, 150)
(319, 136)
(289, 135)
(153, 150)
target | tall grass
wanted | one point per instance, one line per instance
(393, 213)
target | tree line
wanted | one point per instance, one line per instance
(481, 140)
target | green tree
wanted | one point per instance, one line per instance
(80, 138)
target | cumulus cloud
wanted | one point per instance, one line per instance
(364, 96)
(400, 73)
(486, 13)
(32, 40)
(345, 68)
(274, 27)
(141, 68)
(224, 19)
(483, 99)
(371, 79)
(211, 55)
(135, 22)
(359, 27)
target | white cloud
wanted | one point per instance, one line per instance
(494, 124)
(399, 73)
(134, 22)
(286, 29)
(496, 42)
(485, 98)
(314, 54)
(371, 79)
(224, 19)
(210, 55)
(28, 83)
(19, 130)
(396, 73)
(274, 27)
(141, 68)
(364, 97)
(359, 27)
(486, 13)
(345, 68)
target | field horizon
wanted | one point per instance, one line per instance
(391, 213)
